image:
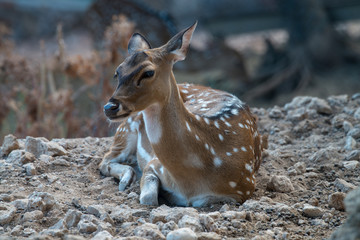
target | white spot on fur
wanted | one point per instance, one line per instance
(198, 117)
(234, 111)
(227, 124)
(194, 161)
(207, 146)
(221, 137)
(187, 126)
(217, 162)
(235, 149)
(248, 167)
(228, 153)
(185, 91)
(207, 121)
(212, 150)
(243, 149)
(217, 124)
(240, 192)
(232, 184)
(248, 179)
(247, 192)
(197, 137)
(241, 125)
(190, 96)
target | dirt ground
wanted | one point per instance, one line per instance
(53, 189)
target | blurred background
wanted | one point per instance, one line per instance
(57, 57)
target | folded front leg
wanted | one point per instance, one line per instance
(150, 184)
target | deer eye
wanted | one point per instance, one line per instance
(147, 74)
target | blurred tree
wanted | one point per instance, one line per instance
(313, 45)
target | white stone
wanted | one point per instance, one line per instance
(280, 184)
(351, 164)
(312, 211)
(181, 234)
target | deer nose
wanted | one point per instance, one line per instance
(111, 109)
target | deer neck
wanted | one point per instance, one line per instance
(165, 126)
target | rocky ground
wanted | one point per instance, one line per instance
(53, 189)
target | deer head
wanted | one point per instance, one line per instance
(144, 76)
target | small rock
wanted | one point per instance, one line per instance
(320, 105)
(10, 143)
(343, 185)
(318, 222)
(311, 211)
(17, 230)
(353, 155)
(165, 213)
(208, 222)
(168, 227)
(351, 164)
(148, 231)
(42, 201)
(20, 204)
(347, 126)
(190, 222)
(7, 213)
(357, 114)
(350, 143)
(338, 120)
(311, 175)
(208, 236)
(276, 113)
(280, 184)
(336, 200)
(181, 234)
(355, 133)
(54, 149)
(103, 235)
(124, 213)
(35, 146)
(20, 157)
(72, 218)
(30, 169)
(28, 232)
(96, 210)
(87, 224)
(73, 237)
(324, 155)
(5, 197)
(33, 215)
(300, 167)
(224, 208)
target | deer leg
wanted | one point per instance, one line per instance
(150, 184)
(122, 154)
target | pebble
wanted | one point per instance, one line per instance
(190, 222)
(276, 113)
(7, 213)
(165, 213)
(208, 222)
(20, 204)
(280, 184)
(33, 215)
(87, 224)
(17, 230)
(30, 169)
(10, 143)
(336, 200)
(312, 211)
(42, 201)
(300, 167)
(20, 157)
(343, 185)
(72, 218)
(208, 236)
(357, 114)
(103, 235)
(149, 231)
(165, 228)
(347, 126)
(54, 149)
(353, 155)
(351, 164)
(350, 143)
(182, 234)
(355, 133)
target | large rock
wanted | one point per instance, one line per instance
(343, 185)
(312, 211)
(10, 143)
(39, 146)
(350, 230)
(20, 157)
(336, 200)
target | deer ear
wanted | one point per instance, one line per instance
(179, 44)
(137, 43)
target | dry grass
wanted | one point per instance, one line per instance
(62, 96)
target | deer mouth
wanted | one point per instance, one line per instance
(118, 117)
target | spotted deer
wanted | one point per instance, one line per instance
(193, 144)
